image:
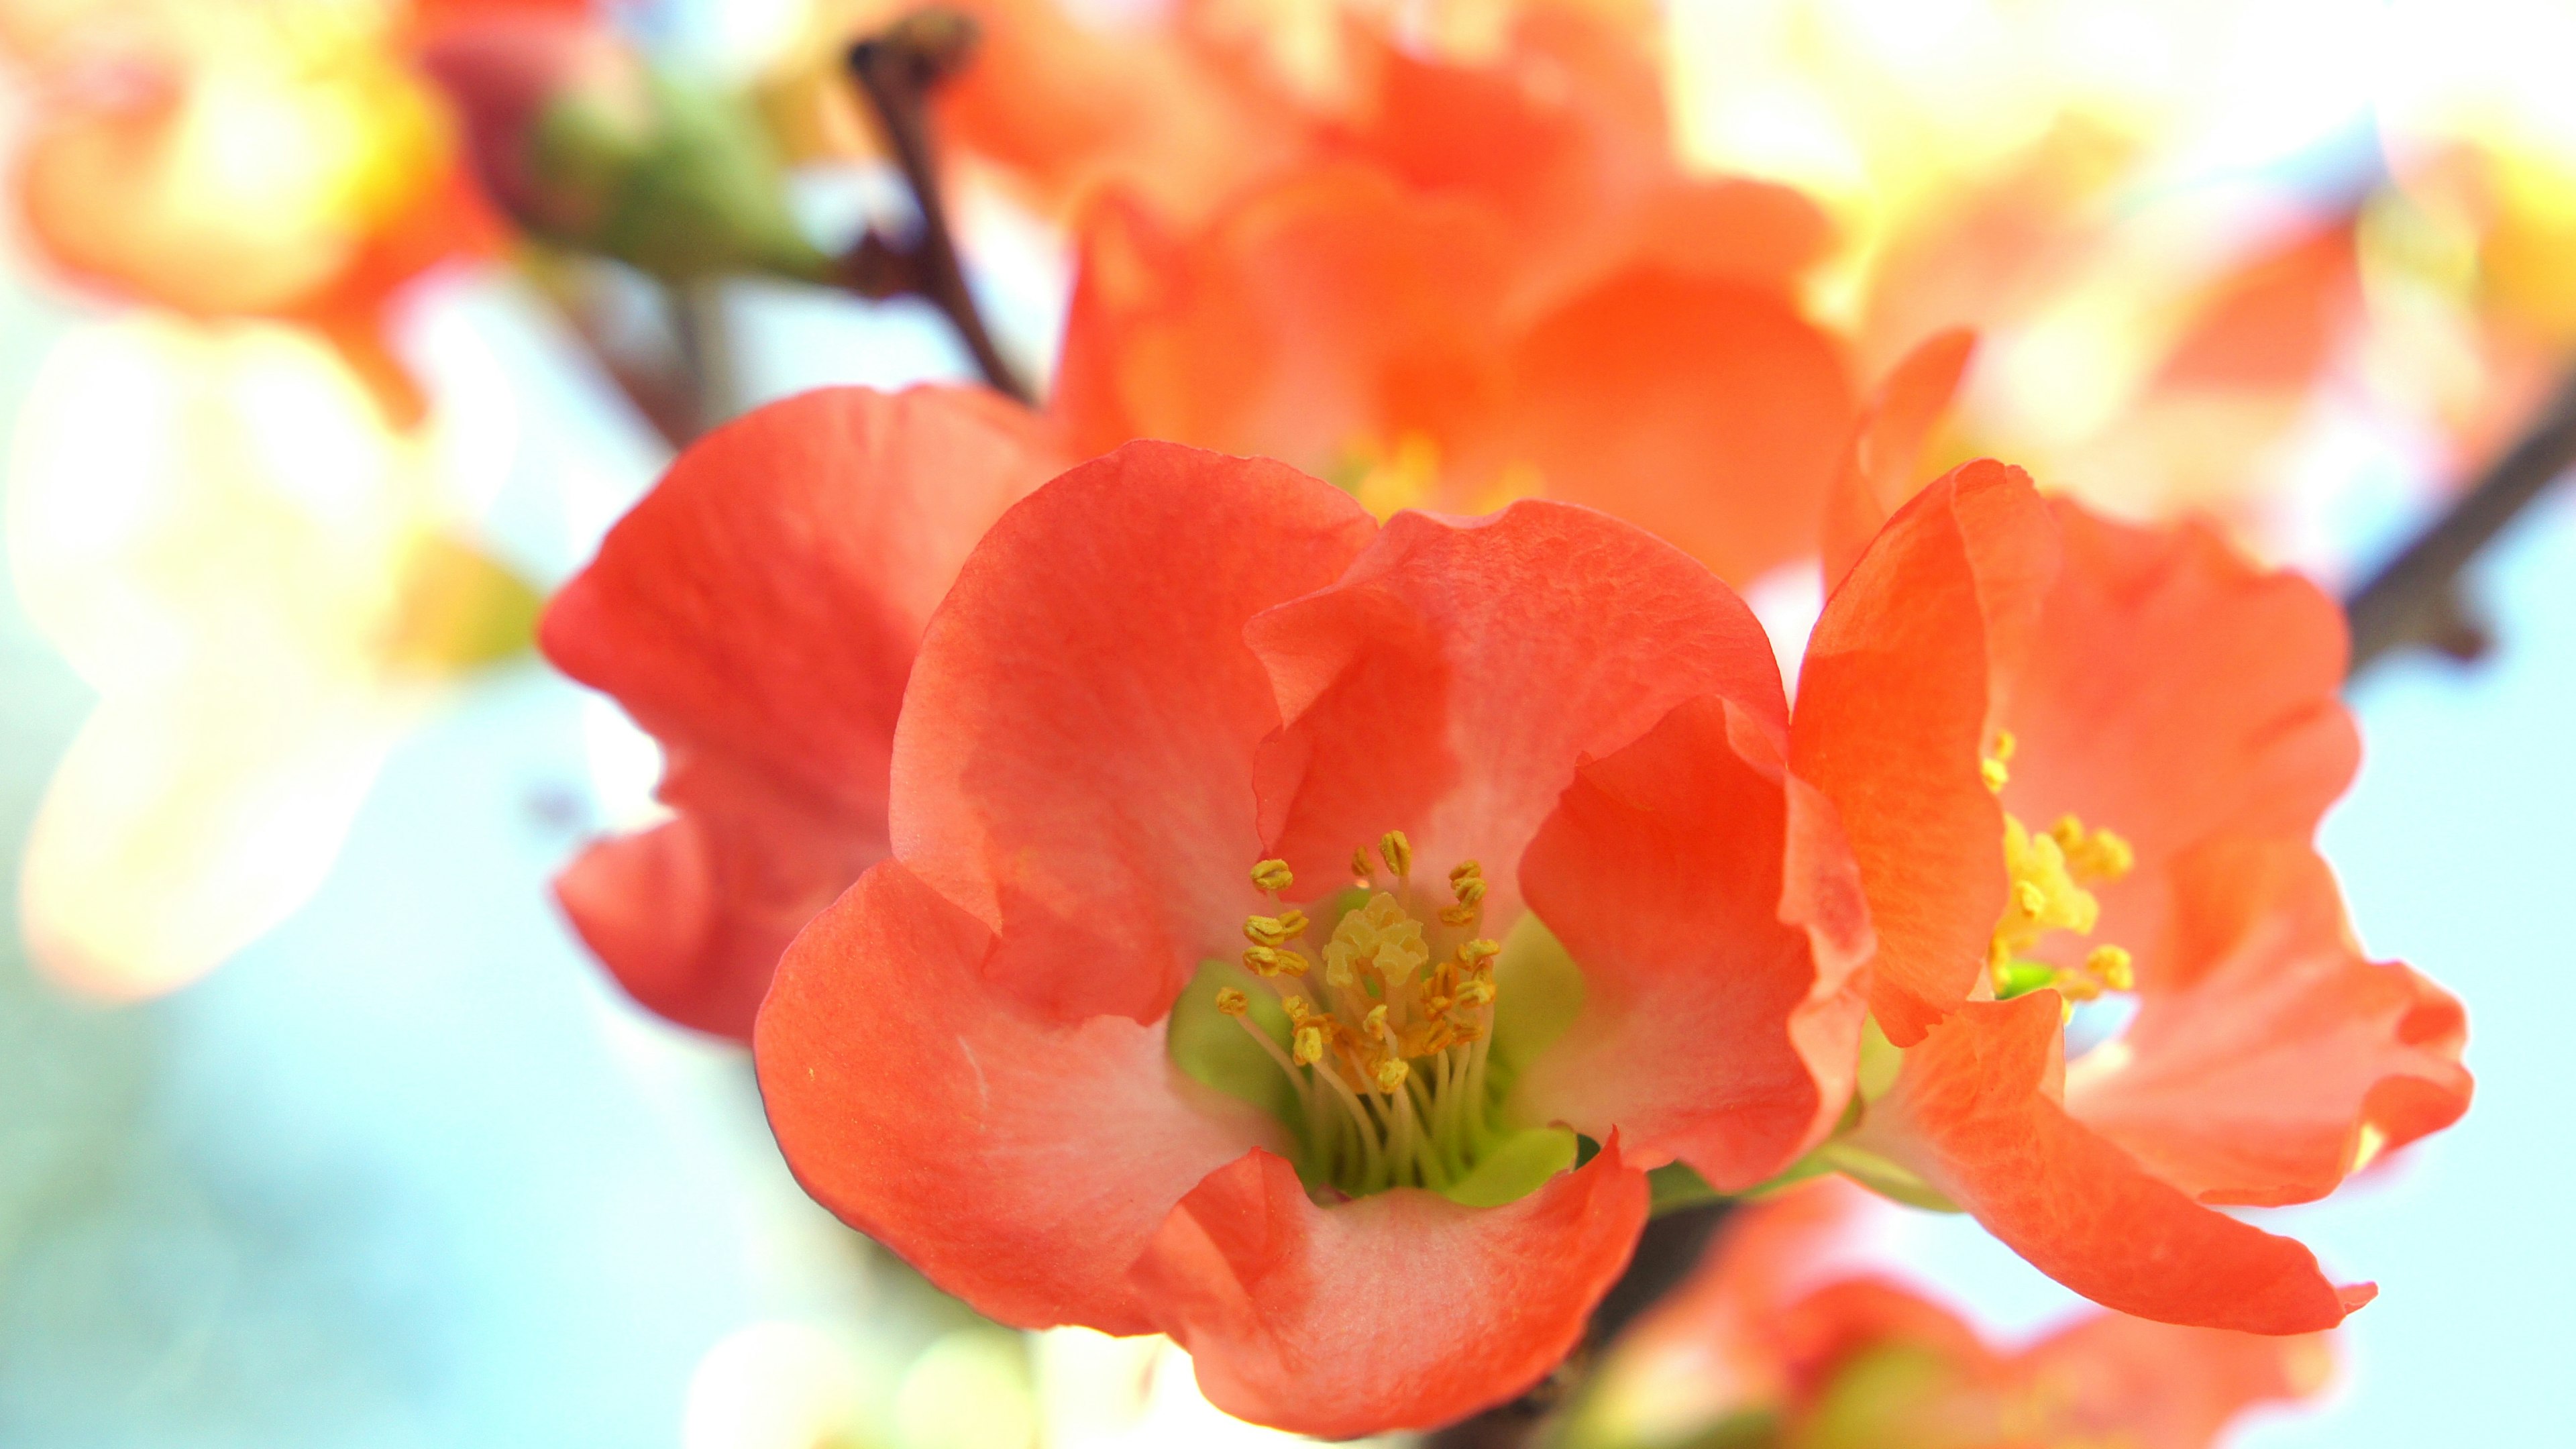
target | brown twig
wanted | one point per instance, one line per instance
(2414, 600)
(896, 70)
(1666, 1252)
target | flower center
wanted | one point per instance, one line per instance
(1388, 1043)
(2050, 874)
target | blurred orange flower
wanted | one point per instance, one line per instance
(1770, 1341)
(1491, 281)
(222, 158)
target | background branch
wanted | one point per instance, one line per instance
(896, 69)
(2414, 600)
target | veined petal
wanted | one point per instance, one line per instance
(1401, 1310)
(1894, 701)
(1449, 682)
(2175, 693)
(765, 599)
(1075, 762)
(1020, 1163)
(2271, 1056)
(1976, 1113)
(758, 611)
(1878, 472)
(1718, 920)
(691, 915)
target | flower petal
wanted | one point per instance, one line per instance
(1704, 410)
(2175, 693)
(1075, 763)
(765, 599)
(1019, 1163)
(2270, 1054)
(1974, 1112)
(1893, 703)
(1448, 684)
(758, 612)
(1887, 445)
(1721, 1017)
(692, 914)
(1401, 1310)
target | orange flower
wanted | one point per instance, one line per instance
(1769, 1341)
(2076, 760)
(1495, 284)
(231, 159)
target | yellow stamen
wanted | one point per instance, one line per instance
(1272, 876)
(1360, 867)
(1388, 1051)
(1397, 852)
(1992, 766)
(2113, 967)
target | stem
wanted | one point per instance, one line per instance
(896, 69)
(2414, 600)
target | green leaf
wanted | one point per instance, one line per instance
(1514, 1168)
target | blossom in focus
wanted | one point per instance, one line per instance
(228, 159)
(1771, 1343)
(1489, 280)
(2079, 760)
(220, 531)
(792, 554)
(1278, 903)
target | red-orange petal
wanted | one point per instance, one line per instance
(1975, 1113)
(1020, 1163)
(1887, 441)
(1398, 1311)
(2269, 1046)
(1075, 761)
(1891, 721)
(1718, 920)
(2174, 692)
(758, 612)
(1705, 410)
(1449, 683)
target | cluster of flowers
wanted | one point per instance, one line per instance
(1300, 845)
(1175, 892)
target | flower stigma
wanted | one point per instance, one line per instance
(1390, 1012)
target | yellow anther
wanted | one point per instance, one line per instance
(2113, 967)
(1396, 851)
(1360, 867)
(1232, 1002)
(1375, 1022)
(1297, 1008)
(1266, 930)
(1309, 1047)
(1470, 889)
(1261, 960)
(1465, 870)
(1292, 963)
(1272, 875)
(1458, 915)
(1392, 1072)
(1293, 921)
(2075, 986)
(2029, 897)
(1996, 776)
(1475, 993)
(1477, 950)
